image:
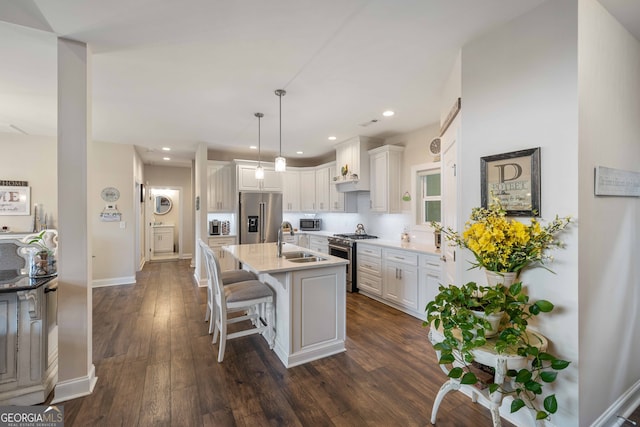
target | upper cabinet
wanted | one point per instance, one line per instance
(386, 165)
(247, 178)
(352, 164)
(291, 191)
(220, 187)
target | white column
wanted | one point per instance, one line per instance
(201, 185)
(76, 372)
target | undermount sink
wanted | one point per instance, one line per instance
(311, 258)
(298, 254)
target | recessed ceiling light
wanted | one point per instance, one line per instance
(253, 147)
(332, 138)
(298, 152)
(166, 158)
(166, 149)
(388, 113)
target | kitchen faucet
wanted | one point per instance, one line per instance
(284, 224)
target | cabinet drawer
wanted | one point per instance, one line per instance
(409, 258)
(216, 242)
(369, 283)
(369, 250)
(430, 261)
(369, 265)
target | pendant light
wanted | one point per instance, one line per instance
(281, 162)
(259, 169)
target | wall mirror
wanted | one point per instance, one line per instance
(162, 205)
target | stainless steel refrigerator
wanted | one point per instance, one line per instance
(260, 217)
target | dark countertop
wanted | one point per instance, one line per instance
(9, 282)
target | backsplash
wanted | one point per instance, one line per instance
(385, 226)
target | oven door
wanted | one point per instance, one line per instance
(344, 252)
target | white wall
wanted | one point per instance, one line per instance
(33, 159)
(609, 128)
(519, 91)
(113, 245)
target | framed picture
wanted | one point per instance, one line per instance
(514, 179)
(15, 200)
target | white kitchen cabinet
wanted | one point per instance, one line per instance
(401, 278)
(162, 239)
(430, 277)
(247, 178)
(353, 153)
(319, 244)
(291, 191)
(308, 190)
(369, 269)
(227, 262)
(322, 189)
(385, 191)
(341, 202)
(220, 187)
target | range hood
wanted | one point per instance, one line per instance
(352, 164)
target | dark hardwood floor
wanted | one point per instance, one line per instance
(156, 366)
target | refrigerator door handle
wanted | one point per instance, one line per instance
(262, 215)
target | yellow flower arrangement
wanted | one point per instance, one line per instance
(505, 245)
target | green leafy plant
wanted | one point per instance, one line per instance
(39, 241)
(452, 312)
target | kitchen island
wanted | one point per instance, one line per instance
(310, 299)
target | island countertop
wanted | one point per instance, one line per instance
(263, 258)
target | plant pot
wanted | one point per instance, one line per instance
(507, 279)
(494, 319)
(43, 263)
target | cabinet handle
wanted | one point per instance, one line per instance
(400, 273)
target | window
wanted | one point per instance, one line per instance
(429, 196)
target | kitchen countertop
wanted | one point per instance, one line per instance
(262, 258)
(394, 244)
(407, 246)
(11, 283)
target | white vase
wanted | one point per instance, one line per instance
(494, 319)
(494, 278)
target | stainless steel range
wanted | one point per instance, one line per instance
(344, 246)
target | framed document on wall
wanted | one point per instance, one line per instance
(513, 179)
(15, 200)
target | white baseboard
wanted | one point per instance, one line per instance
(114, 281)
(141, 266)
(76, 387)
(623, 406)
(186, 256)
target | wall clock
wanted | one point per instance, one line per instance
(434, 147)
(110, 194)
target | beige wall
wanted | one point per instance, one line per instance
(609, 129)
(33, 159)
(519, 91)
(113, 242)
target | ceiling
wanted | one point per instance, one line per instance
(176, 74)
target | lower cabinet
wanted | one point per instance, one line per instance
(402, 279)
(162, 239)
(227, 262)
(430, 277)
(29, 345)
(369, 273)
(319, 244)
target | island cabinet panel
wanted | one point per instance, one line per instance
(317, 301)
(8, 334)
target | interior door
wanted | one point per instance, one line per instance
(449, 200)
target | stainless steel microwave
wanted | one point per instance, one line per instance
(310, 224)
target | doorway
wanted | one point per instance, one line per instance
(164, 223)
